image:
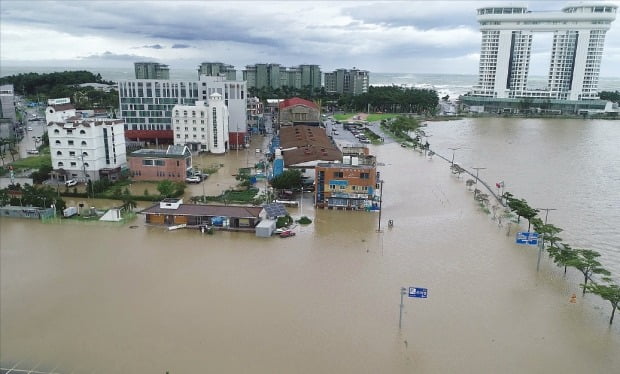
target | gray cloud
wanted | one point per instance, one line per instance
(332, 34)
(107, 55)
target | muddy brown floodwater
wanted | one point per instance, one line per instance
(110, 299)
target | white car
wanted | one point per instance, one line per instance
(71, 183)
(193, 179)
(29, 128)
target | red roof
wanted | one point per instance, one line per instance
(297, 101)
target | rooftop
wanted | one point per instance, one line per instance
(297, 101)
(208, 210)
(173, 151)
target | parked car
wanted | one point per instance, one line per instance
(193, 179)
(335, 133)
(32, 152)
(71, 183)
(29, 128)
(287, 234)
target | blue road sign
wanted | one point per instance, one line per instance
(418, 292)
(527, 238)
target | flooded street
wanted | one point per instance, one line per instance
(83, 297)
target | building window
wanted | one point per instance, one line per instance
(72, 153)
(83, 142)
(58, 142)
(70, 142)
(86, 164)
(364, 175)
(84, 153)
(82, 132)
(178, 136)
(56, 131)
(73, 164)
(69, 132)
(58, 153)
(61, 164)
(338, 174)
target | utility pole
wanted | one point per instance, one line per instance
(380, 203)
(542, 242)
(403, 291)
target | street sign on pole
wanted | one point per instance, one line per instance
(527, 238)
(418, 292)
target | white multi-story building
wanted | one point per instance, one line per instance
(59, 110)
(576, 52)
(203, 126)
(146, 105)
(84, 149)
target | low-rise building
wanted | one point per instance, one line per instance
(171, 212)
(303, 147)
(255, 115)
(203, 127)
(157, 165)
(87, 149)
(298, 111)
(347, 186)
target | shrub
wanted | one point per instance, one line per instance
(304, 220)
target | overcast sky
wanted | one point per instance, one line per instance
(379, 36)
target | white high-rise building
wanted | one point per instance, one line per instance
(86, 149)
(202, 127)
(576, 51)
(146, 105)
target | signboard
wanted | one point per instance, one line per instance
(418, 292)
(64, 100)
(527, 238)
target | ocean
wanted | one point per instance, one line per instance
(445, 84)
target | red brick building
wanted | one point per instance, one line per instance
(156, 164)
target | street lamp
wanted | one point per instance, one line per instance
(477, 170)
(542, 246)
(453, 150)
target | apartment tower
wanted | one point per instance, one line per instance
(576, 50)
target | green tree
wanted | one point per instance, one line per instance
(609, 292)
(586, 262)
(289, 179)
(129, 202)
(562, 254)
(166, 188)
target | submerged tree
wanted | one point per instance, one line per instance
(586, 262)
(562, 254)
(609, 292)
